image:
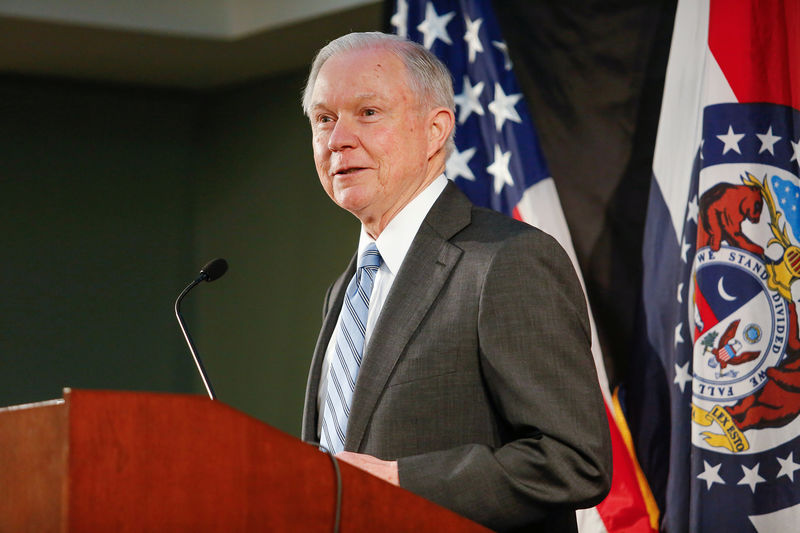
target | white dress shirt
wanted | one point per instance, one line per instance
(393, 244)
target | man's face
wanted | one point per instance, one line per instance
(370, 137)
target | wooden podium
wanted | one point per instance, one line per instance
(125, 461)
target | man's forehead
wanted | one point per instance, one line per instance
(365, 55)
(366, 62)
(360, 75)
(321, 98)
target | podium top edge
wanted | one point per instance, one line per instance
(69, 394)
(22, 407)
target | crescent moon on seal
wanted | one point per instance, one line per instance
(725, 295)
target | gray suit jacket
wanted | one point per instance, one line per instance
(478, 377)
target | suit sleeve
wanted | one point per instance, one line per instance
(537, 365)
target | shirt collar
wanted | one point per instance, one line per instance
(395, 240)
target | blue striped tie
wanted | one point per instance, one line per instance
(346, 360)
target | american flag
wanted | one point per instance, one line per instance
(498, 163)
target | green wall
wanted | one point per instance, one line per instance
(111, 198)
(260, 205)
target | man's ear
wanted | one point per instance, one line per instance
(441, 121)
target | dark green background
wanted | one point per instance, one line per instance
(112, 198)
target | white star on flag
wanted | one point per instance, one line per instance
(458, 164)
(471, 37)
(796, 149)
(710, 475)
(499, 169)
(400, 19)
(682, 376)
(435, 26)
(751, 477)
(768, 141)
(503, 47)
(678, 337)
(468, 100)
(731, 141)
(693, 210)
(502, 107)
(685, 247)
(788, 466)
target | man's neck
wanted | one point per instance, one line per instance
(408, 219)
(375, 226)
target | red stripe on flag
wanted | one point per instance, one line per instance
(624, 509)
(757, 46)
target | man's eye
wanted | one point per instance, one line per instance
(369, 112)
(324, 119)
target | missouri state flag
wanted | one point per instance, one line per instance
(716, 410)
(498, 163)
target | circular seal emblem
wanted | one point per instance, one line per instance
(730, 355)
(743, 312)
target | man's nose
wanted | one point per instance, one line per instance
(343, 136)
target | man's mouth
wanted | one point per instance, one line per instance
(349, 170)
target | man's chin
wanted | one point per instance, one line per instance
(354, 201)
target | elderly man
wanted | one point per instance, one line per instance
(454, 356)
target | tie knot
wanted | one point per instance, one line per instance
(371, 258)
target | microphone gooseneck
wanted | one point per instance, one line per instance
(213, 270)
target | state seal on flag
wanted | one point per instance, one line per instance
(733, 305)
(746, 349)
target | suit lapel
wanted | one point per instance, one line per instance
(425, 270)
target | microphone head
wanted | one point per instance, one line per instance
(214, 269)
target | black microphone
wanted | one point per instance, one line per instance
(214, 269)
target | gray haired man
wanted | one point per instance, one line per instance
(454, 357)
